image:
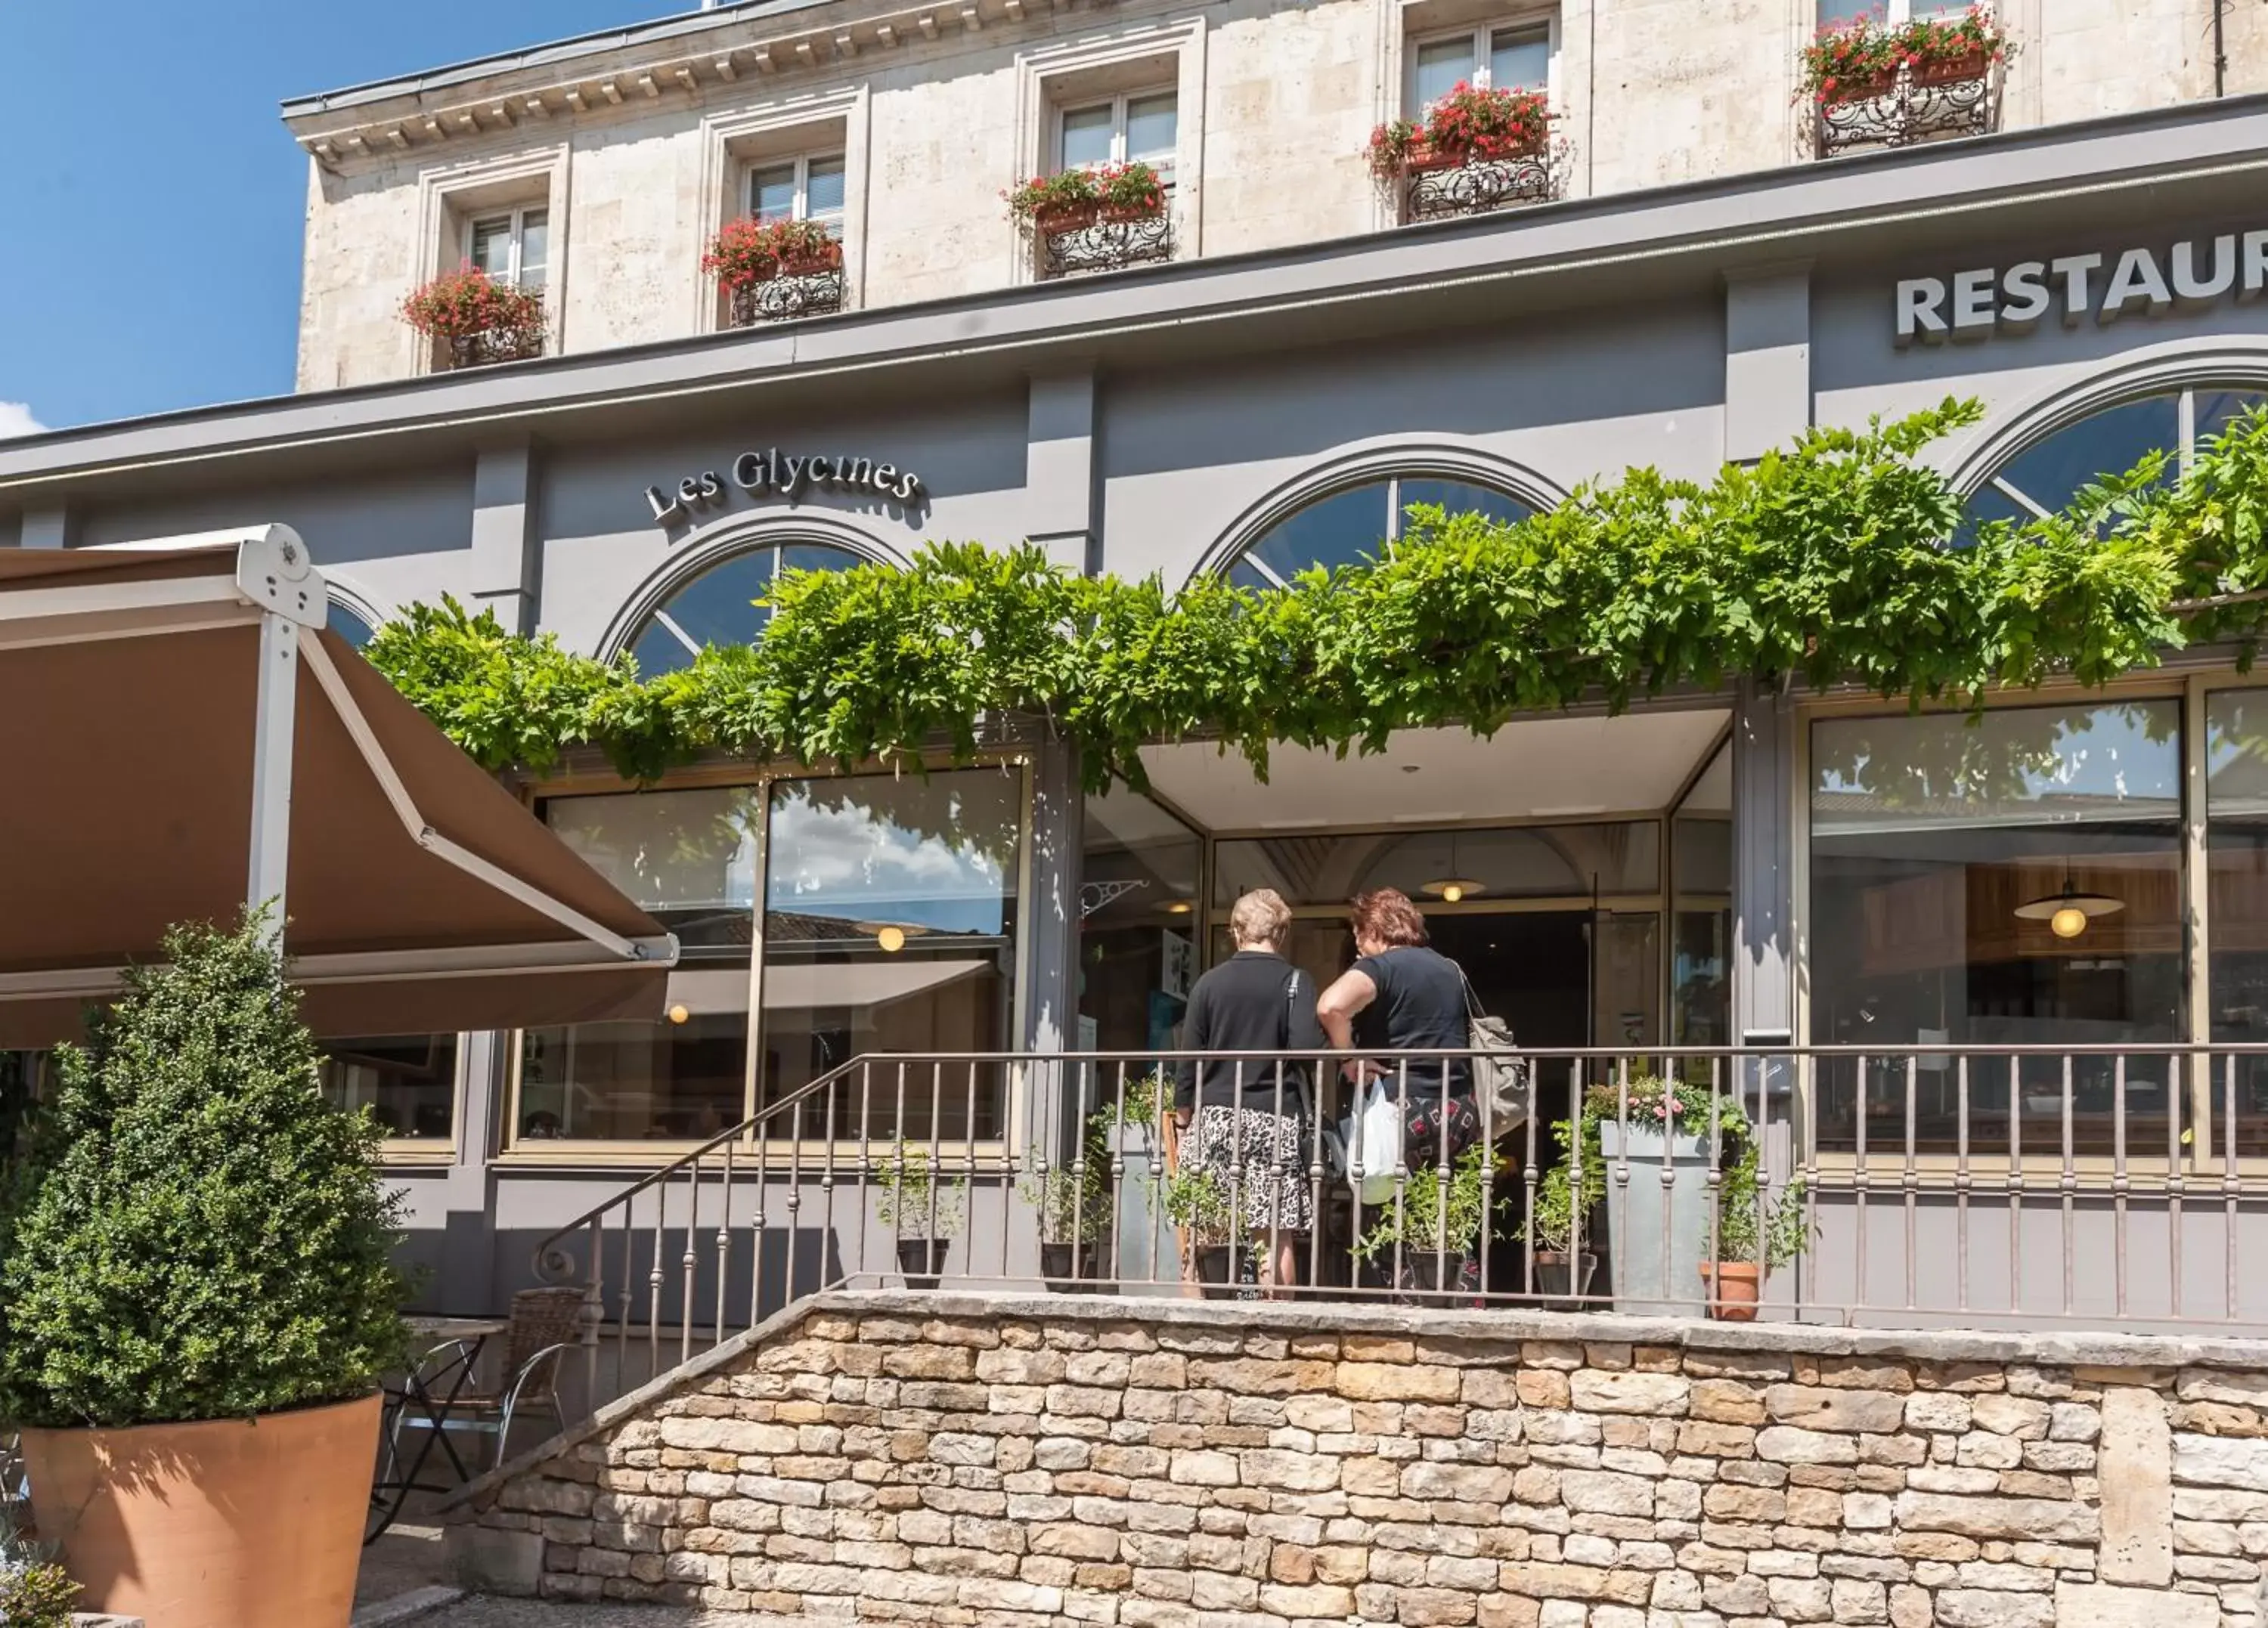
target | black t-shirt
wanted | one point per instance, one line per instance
(1253, 1002)
(1420, 1008)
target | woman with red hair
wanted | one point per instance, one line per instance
(1404, 996)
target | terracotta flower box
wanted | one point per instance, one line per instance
(1860, 89)
(1065, 217)
(1953, 70)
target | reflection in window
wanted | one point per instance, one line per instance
(2045, 476)
(1360, 524)
(1523, 861)
(1138, 923)
(720, 606)
(351, 625)
(689, 858)
(408, 1081)
(890, 926)
(2236, 846)
(1928, 833)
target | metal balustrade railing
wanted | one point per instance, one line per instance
(2104, 1186)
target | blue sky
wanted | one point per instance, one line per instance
(151, 201)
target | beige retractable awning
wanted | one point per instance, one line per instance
(180, 736)
(803, 986)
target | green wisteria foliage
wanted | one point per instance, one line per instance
(1825, 564)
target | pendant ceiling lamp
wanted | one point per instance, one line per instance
(2068, 912)
(1454, 886)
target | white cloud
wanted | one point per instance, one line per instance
(16, 420)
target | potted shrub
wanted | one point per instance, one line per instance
(1436, 1232)
(1072, 200)
(923, 1211)
(34, 1591)
(1562, 1275)
(1755, 1235)
(1074, 1210)
(480, 319)
(749, 251)
(1196, 1200)
(197, 1297)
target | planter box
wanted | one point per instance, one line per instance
(1954, 69)
(1646, 1279)
(1861, 89)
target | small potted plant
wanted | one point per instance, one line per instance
(1073, 1201)
(197, 1298)
(35, 1592)
(1561, 1275)
(1072, 200)
(924, 1212)
(478, 318)
(749, 251)
(1436, 1227)
(1756, 1235)
(1196, 1200)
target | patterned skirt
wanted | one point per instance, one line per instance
(1271, 1162)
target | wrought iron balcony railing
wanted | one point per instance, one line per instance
(1476, 186)
(811, 293)
(1911, 104)
(474, 351)
(2106, 1187)
(1100, 241)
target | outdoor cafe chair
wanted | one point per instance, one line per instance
(443, 1394)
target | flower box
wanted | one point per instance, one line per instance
(1059, 219)
(749, 252)
(480, 319)
(1073, 200)
(1953, 70)
(1468, 126)
(1862, 88)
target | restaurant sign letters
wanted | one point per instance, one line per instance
(761, 473)
(1976, 304)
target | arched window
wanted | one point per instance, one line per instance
(2044, 476)
(351, 625)
(718, 607)
(1360, 523)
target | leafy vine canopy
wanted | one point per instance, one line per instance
(1827, 563)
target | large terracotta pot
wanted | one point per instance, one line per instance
(232, 1523)
(1735, 1286)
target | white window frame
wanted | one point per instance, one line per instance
(1479, 37)
(832, 219)
(1164, 167)
(514, 221)
(1898, 13)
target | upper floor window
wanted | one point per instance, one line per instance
(809, 188)
(1475, 130)
(1137, 127)
(1361, 522)
(1122, 129)
(511, 246)
(1488, 58)
(1887, 73)
(722, 604)
(2045, 476)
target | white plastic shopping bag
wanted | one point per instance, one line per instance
(1373, 1138)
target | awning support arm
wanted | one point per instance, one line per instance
(272, 733)
(381, 769)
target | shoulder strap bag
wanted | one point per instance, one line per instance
(1500, 1074)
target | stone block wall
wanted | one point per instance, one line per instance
(1030, 1463)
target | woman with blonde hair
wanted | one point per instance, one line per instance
(1245, 1116)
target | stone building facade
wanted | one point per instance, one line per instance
(628, 150)
(1025, 1464)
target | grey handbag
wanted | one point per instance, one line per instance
(1501, 1085)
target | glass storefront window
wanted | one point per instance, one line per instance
(1360, 524)
(689, 859)
(1927, 833)
(2236, 849)
(1528, 861)
(408, 1081)
(1137, 910)
(890, 925)
(1701, 946)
